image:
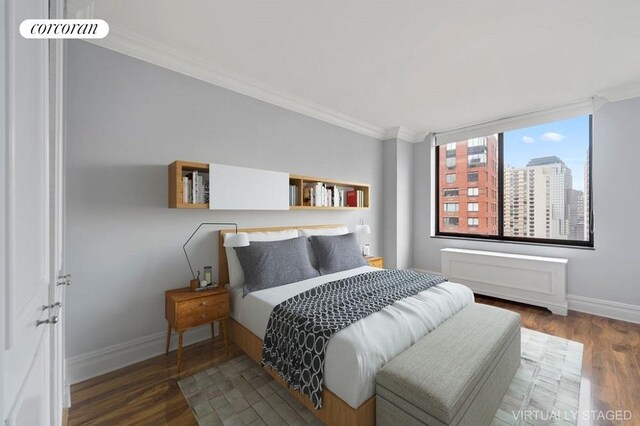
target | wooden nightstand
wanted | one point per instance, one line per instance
(185, 309)
(375, 261)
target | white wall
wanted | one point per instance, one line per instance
(3, 225)
(611, 272)
(404, 234)
(398, 203)
(389, 208)
(126, 121)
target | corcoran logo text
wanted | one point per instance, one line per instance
(64, 28)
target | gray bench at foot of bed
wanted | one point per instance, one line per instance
(455, 375)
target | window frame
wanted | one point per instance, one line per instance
(500, 202)
(452, 203)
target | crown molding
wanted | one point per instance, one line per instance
(148, 50)
(620, 93)
(405, 134)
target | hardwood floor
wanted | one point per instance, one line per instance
(611, 357)
(148, 393)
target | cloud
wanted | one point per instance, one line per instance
(528, 139)
(552, 137)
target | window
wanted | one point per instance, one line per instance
(477, 160)
(531, 184)
(451, 221)
(451, 207)
(451, 162)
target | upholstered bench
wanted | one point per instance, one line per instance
(455, 375)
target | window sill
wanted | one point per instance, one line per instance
(526, 243)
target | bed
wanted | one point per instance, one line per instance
(355, 353)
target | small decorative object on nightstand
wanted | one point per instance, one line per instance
(185, 309)
(239, 239)
(375, 261)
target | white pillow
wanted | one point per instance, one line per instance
(236, 274)
(339, 230)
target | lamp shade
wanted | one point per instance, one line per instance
(240, 239)
(363, 229)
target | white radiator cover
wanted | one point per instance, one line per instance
(535, 280)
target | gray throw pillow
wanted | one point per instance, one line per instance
(268, 264)
(337, 253)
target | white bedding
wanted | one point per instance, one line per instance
(356, 353)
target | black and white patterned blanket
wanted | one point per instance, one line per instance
(299, 328)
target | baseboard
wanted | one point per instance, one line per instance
(605, 308)
(91, 364)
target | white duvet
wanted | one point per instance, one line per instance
(356, 353)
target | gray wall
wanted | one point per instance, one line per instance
(610, 272)
(126, 121)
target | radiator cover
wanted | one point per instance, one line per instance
(535, 280)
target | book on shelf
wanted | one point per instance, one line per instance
(186, 189)
(320, 194)
(352, 199)
(355, 198)
(293, 195)
(307, 196)
(195, 188)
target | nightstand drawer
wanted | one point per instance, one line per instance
(376, 261)
(202, 310)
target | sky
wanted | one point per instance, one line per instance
(566, 139)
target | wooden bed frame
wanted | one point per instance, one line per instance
(334, 410)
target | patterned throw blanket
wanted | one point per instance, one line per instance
(299, 328)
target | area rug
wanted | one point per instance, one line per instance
(545, 390)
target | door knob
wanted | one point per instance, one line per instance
(53, 320)
(64, 279)
(53, 305)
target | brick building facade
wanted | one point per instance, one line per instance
(468, 176)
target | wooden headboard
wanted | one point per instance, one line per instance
(223, 267)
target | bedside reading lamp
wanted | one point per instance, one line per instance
(362, 229)
(239, 239)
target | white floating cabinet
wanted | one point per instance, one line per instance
(243, 188)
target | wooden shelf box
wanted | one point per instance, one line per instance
(301, 181)
(177, 170)
(238, 188)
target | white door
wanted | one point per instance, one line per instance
(59, 391)
(28, 278)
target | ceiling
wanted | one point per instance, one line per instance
(424, 65)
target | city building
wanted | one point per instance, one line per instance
(537, 199)
(587, 200)
(577, 215)
(469, 186)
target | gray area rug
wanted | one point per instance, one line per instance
(545, 390)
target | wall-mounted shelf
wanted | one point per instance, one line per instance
(325, 208)
(177, 171)
(302, 201)
(233, 185)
